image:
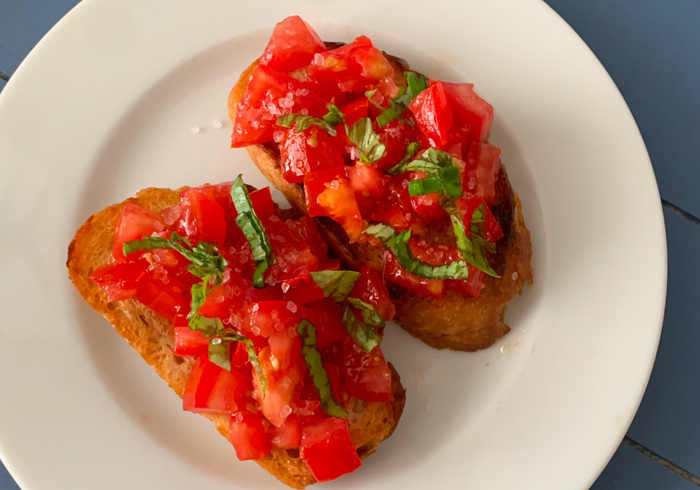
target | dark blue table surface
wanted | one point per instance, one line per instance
(651, 48)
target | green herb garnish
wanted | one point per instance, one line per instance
(304, 121)
(366, 140)
(363, 334)
(336, 285)
(254, 231)
(312, 358)
(414, 85)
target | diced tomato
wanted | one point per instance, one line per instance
(201, 219)
(483, 165)
(355, 67)
(366, 374)
(283, 371)
(329, 326)
(240, 359)
(267, 318)
(339, 203)
(305, 228)
(315, 184)
(165, 298)
(395, 137)
(471, 286)
(292, 45)
(469, 110)
(213, 389)
(247, 434)
(293, 258)
(287, 435)
(189, 342)
(333, 354)
(371, 289)
(327, 449)
(427, 206)
(134, 223)
(366, 181)
(304, 292)
(433, 114)
(356, 110)
(393, 272)
(395, 209)
(262, 202)
(333, 372)
(492, 230)
(120, 279)
(310, 150)
(270, 94)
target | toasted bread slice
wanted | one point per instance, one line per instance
(152, 336)
(455, 322)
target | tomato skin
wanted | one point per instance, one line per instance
(371, 289)
(433, 288)
(305, 228)
(481, 171)
(292, 45)
(395, 209)
(134, 223)
(366, 375)
(213, 389)
(283, 369)
(356, 110)
(467, 206)
(247, 434)
(293, 257)
(310, 150)
(120, 279)
(329, 324)
(165, 298)
(339, 203)
(327, 449)
(268, 318)
(365, 180)
(472, 286)
(201, 219)
(469, 110)
(287, 435)
(240, 359)
(257, 112)
(315, 184)
(189, 342)
(433, 114)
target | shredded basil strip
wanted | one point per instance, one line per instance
(370, 315)
(336, 285)
(205, 259)
(414, 85)
(366, 140)
(363, 335)
(398, 244)
(253, 229)
(430, 162)
(421, 187)
(229, 335)
(304, 121)
(312, 357)
(471, 247)
(220, 354)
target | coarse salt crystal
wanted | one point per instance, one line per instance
(277, 136)
(291, 306)
(285, 287)
(286, 411)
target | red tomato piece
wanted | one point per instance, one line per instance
(287, 435)
(315, 184)
(163, 294)
(247, 434)
(371, 289)
(396, 136)
(356, 110)
(393, 272)
(268, 318)
(120, 279)
(189, 342)
(339, 203)
(270, 94)
(310, 150)
(292, 45)
(483, 165)
(327, 449)
(213, 389)
(366, 374)
(262, 202)
(240, 359)
(366, 181)
(471, 286)
(492, 230)
(333, 372)
(304, 292)
(469, 110)
(355, 68)
(433, 114)
(305, 228)
(134, 223)
(329, 324)
(293, 258)
(201, 219)
(395, 209)
(283, 370)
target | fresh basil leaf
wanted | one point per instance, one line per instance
(370, 315)
(205, 259)
(363, 334)
(312, 358)
(411, 150)
(451, 180)
(334, 116)
(416, 84)
(366, 140)
(471, 247)
(398, 244)
(421, 187)
(253, 229)
(220, 354)
(430, 161)
(335, 285)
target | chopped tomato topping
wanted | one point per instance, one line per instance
(366, 374)
(247, 434)
(327, 449)
(134, 223)
(308, 151)
(469, 110)
(292, 45)
(120, 279)
(213, 389)
(338, 202)
(433, 114)
(370, 288)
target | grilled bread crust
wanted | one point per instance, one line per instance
(152, 336)
(455, 322)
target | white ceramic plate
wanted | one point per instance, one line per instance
(105, 105)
